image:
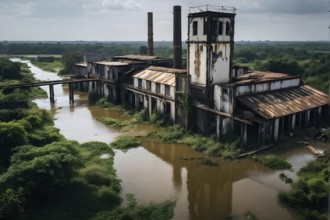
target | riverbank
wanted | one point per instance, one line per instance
(49, 177)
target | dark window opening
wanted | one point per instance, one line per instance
(148, 85)
(167, 90)
(195, 28)
(205, 28)
(214, 27)
(140, 84)
(228, 28)
(220, 28)
(157, 88)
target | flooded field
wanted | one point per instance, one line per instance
(155, 171)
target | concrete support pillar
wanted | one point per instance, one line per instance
(307, 117)
(71, 93)
(244, 132)
(293, 122)
(276, 129)
(51, 94)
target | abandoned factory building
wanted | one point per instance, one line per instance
(224, 98)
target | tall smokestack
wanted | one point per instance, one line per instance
(177, 38)
(150, 35)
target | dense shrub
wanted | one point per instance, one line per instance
(273, 162)
(126, 142)
(94, 96)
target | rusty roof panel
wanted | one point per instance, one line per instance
(285, 102)
(259, 76)
(159, 75)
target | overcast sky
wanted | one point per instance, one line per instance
(113, 20)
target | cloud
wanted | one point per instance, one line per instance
(299, 7)
(105, 6)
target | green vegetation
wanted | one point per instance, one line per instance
(44, 176)
(115, 122)
(310, 192)
(68, 59)
(311, 60)
(126, 142)
(272, 161)
(54, 67)
(285, 178)
(208, 145)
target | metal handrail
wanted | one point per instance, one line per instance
(224, 9)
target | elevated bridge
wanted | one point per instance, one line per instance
(51, 84)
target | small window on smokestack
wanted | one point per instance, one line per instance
(195, 28)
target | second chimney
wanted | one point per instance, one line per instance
(150, 35)
(177, 38)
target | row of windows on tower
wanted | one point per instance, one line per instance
(216, 28)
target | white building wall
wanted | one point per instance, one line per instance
(220, 65)
(197, 64)
(266, 87)
(200, 30)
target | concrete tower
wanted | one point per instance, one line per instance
(210, 48)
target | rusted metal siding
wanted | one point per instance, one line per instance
(285, 102)
(253, 88)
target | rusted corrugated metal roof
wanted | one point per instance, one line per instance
(285, 102)
(259, 76)
(159, 75)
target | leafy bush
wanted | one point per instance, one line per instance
(160, 119)
(141, 116)
(104, 103)
(115, 122)
(107, 195)
(93, 97)
(12, 204)
(126, 142)
(96, 175)
(273, 162)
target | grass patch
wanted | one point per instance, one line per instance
(272, 161)
(115, 122)
(162, 211)
(126, 142)
(49, 66)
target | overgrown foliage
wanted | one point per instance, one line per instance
(310, 192)
(272, 161)
(54, 67)
(68, 59)
(126, 142)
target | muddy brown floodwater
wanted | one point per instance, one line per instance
(155, 172)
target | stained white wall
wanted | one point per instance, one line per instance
(220, 63)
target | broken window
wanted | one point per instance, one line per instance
(220, 28)
(228, 28)
(157, 88)
(195, 28)
(167, 90)
(214, 27)
(148, 85)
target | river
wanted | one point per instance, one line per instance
(155, 171)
